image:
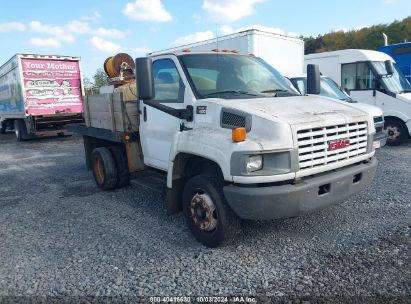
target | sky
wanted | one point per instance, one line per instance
(97, 29)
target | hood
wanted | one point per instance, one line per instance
(297, 110)
(404, 97)
(374, 111)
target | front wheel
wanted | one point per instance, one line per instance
(210, 219)
(396, 131)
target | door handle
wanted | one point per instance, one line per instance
(145, 114)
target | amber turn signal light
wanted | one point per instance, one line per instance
(239, 134)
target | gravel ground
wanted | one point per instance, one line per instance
(62, 237)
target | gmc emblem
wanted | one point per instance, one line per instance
(338, 144)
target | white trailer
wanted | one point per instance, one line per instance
(284, 53)
(370, 77)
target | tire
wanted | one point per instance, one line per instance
(212, 224)
(104, 168)
(20, 130)
(3, 127)
(396, 130)
(120, 157)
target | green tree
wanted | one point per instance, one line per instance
(365, 38)
(100, 79)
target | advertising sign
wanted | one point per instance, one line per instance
(52, 87)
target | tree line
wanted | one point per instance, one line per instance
(366, 38)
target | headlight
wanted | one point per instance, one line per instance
(254, 163)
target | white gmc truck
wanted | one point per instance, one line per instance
(232, 139)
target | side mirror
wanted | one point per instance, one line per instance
(389, 67)
(145, 79)
(313, 79)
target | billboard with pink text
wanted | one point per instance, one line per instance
(52, 86)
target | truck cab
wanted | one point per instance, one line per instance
(235, 142)
(374, 78)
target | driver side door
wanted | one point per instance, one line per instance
(157, 128)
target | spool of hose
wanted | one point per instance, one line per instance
(108, 67)
(122, 61)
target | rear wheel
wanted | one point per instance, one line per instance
(120, 157)
(20, 130)
(3, 127)
(210, 219)
(104, 168)
(396, 130)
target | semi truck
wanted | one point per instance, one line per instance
(231, 139)
(39, 94)
(371, 77)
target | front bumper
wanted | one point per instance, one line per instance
(274, 202)
(380, 137)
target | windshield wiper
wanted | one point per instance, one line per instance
(405, 91)
(230, 92)
(274, 91)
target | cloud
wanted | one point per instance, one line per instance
(113, 33)
(12, 26)
(78, 27)
(94, 17)
(342, 29)
(229, 10)
(196, 18)
(199, 36)
(147, 10)
(226, 30)
(45, 42)
(141, 50)
(105, 45)
(57, 31)
(388, 2)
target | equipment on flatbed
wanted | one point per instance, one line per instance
(119, 68)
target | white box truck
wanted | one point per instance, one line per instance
(39, 94)
(233, 140)
(370, 77)
(284, 53)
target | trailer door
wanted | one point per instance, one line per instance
(51, 86)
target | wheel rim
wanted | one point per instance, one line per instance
(203, 212)
(393, 132)
(16, 131)
(98, 170)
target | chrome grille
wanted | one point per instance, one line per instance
(313, 144)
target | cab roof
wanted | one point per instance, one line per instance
(352, 55)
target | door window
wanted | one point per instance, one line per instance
(365, 77)
(168, 86)
(348, 76)
(357, 76)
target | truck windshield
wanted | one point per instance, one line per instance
(230, 76)
(328, 88)
(396, 83)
